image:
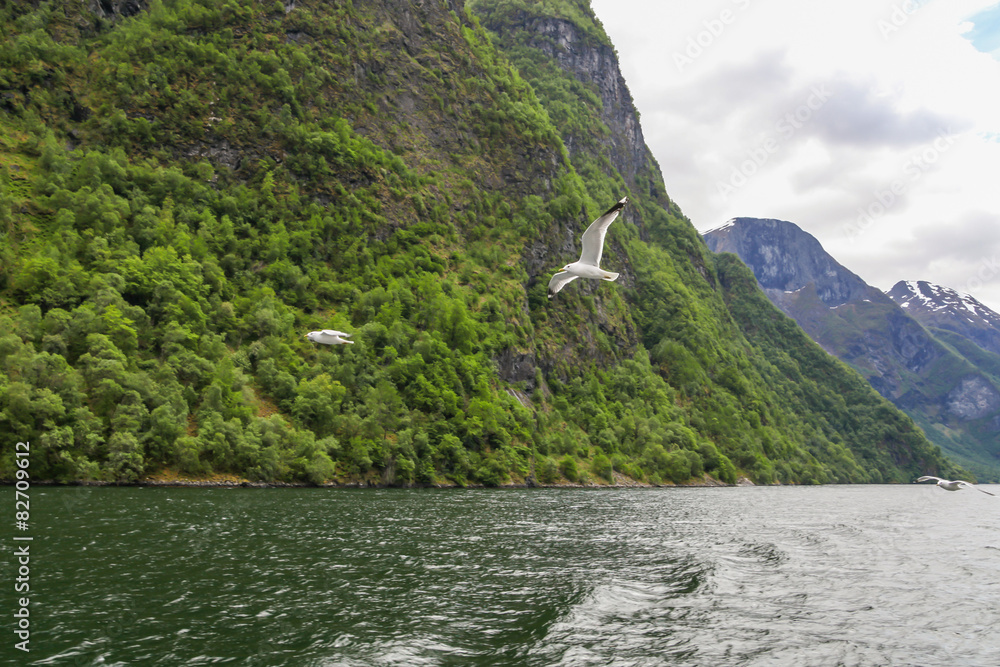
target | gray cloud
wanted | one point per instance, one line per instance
(963, 254)
(855, 115)
(760, 96)
(965, 241)
(735, 89)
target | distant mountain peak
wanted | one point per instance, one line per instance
(928, 295)
(944, 308)
(785, 259)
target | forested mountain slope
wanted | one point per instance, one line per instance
(949, 387)
(188, 186)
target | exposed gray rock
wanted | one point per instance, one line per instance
(221, 152)
(598, 64)
(784, 257)
(809, 285)
(910, 342)
(515, 366)
(117, 9)
(593, 62)
(973, 398)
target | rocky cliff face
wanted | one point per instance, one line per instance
(596, 63)
(592, 61)
(973, 398)
(116, 9)
(893, 346)
(563, 49)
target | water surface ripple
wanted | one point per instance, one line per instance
(835, 575)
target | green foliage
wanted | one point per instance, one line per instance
(547, 469)
(569, 468)
(601, 466)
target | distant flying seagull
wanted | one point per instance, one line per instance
(329, 337)
(589, 265)
(952, 485)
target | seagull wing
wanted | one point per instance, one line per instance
(559, 281)
(332, 332)
(593, 238)
(927, 478)
(963, 483)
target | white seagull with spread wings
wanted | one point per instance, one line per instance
(950, 485)
(329, 337)
(589, 265)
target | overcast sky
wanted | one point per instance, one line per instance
(872, 124)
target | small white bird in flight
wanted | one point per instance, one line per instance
(589, 265)
(949, 485)
(329, 337)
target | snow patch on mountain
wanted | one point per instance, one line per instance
(942, 300)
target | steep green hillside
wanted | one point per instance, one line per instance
(940, 379)
(879, 430)
(967, 441)
(186, 191)
(949, 386)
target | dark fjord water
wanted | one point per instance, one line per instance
(859, 575)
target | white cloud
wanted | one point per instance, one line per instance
(910, 123)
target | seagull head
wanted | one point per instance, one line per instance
(311, 335)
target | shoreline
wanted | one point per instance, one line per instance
(237, 483)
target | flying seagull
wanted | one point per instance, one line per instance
(949, 485)
(589, 265)
(329, 337)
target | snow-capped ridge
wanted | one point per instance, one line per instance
(723, 227)
(945, 308)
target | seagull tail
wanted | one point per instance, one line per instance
(610, 277)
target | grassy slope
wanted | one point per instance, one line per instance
(975, 444)
(187, 191)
